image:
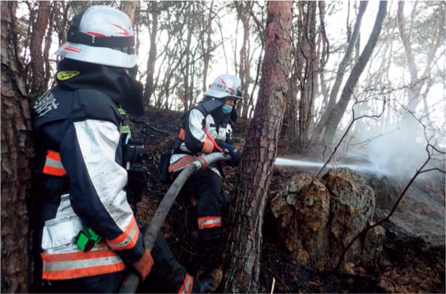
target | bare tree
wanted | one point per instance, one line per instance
(186, 97)
(340, 73)
(244, 66)
(242, 263)
(332, 119)
(416, 82)
(149, 87)
(16, 161)
(207, 56)
(306, 70)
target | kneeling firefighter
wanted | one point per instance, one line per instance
(207, 128)
(87, 233)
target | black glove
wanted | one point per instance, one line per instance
(236, 154)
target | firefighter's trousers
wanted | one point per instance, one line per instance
(206, 186)
(167, 275)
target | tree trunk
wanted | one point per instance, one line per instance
(340, 74)
(207, 56)
(341, 106)
(244, 231)
(186, 75)
(48, 42)
(129, 8)
(16, 161)
(290, 128)
(149, 87)
(244, 67)
(307, 50)
(37, 76)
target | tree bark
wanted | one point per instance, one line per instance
(37, 76)
(207, 56)
(242, 259)
(308, 57)
(129, 8)
(16, 161)
(244, 66)
(186, 97)
(290, 124)
(48, 42)
(149, 87)
(341, 106)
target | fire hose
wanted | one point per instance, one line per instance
(131, 280)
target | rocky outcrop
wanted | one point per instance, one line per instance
(317, 219)
(421, 213)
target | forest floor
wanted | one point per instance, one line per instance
(401, 268)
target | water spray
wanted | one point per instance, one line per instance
(356, 167)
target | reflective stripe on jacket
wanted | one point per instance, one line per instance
(195, 134)
(98, 261)
(187, 286)
(53, 165)
(88, 171)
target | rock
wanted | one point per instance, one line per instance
(302, 210)
(373, 244)
(421, 213)
(316, 221)
(352, 204)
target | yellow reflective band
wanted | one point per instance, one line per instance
(122, 111)
(66, 75)
(125, 129)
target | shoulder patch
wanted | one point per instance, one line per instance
(66, 75)
(45, 103)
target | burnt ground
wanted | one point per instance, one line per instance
(403, 266)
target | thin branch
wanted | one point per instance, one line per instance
(349, 127)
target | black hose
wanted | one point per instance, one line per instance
(131, 280)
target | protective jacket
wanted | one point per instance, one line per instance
(202, 127)
(82, 182)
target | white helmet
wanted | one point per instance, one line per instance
(226, 86)
(101, 35)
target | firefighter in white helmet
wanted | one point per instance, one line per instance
(207, 128)
(87, 233)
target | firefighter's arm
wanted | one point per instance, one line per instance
(196, 139)
(89, 152)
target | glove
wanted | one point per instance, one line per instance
(143, 265)
(236, 154)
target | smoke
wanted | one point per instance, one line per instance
(399, 150)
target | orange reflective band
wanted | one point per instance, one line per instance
(54, 171)
(187, 284)
(183, 161)
(62, 266)
(182, 135)
(208, 146)
(212, 140)
(76, 256)
(73, 273)
(53, 165)
(209, 222)
(53, 155)
(128, 239)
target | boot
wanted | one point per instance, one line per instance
(208, 283)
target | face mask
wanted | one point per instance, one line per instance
(226, 109)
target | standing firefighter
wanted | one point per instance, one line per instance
(207, 128)
(88, 235)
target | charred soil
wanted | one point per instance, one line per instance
(404, 265)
